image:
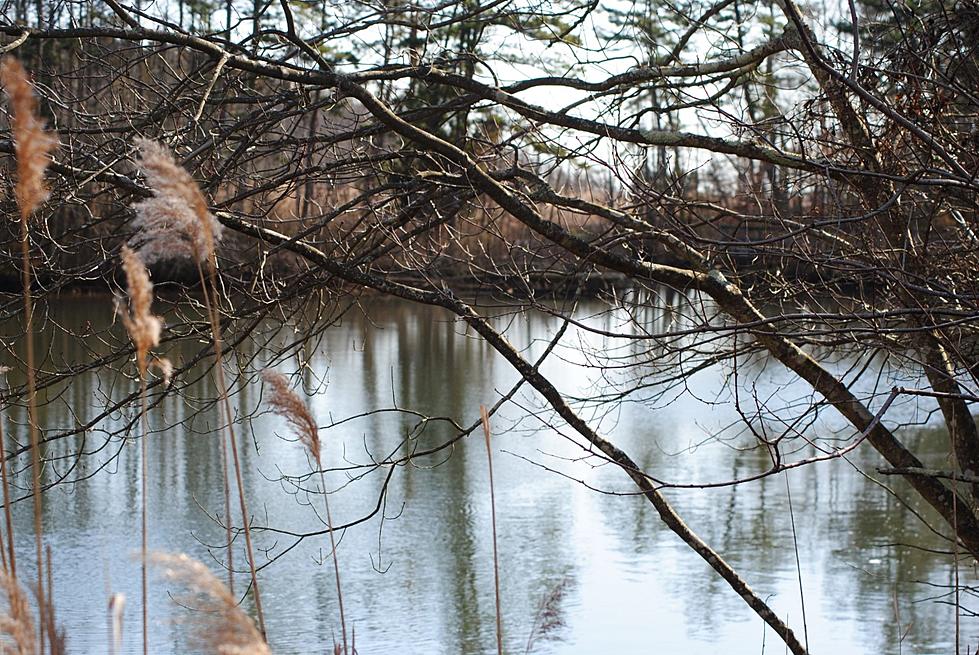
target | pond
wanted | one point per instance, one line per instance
(418, 575)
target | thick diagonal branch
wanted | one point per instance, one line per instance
(727, 295)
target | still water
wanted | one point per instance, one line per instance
(417, 574)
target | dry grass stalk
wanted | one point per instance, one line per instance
(32, 147)
(8, 517)
(55, 634)
(176, 222)
(144, 329)
(232, 446)
(220, 626)
(117, 607)
(16, 625)
(286, 403)
(484, 415)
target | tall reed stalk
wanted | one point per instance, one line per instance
(55, 635)
(286, 403)
(117, 608)
(32, 146)
(144, 330)
(496, 558)
(209, 290)
(224, 392)
(7, 515)
(176, 222)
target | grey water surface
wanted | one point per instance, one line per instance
(417, 574)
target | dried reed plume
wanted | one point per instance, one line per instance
(32, 147)
(175, 222)
(144, 328)
(286, 403)
(32, 144)
(165, 368)
(220, 626)
(16, 625)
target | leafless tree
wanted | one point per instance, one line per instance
(812, 188)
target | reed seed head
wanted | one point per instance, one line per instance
(220, 625)
(175, 222)
(32, 143)
(286, 403)
(144, 328)
(16, 627)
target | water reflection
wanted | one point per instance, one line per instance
(418, 575)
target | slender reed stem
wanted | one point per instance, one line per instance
(144, 330)
(333, 551)
(117, 603)
(32, 410)
(955, 565)
(144, 410)
(227, 515)
(3, 561)
(8, 518)
(245, 521)
(496, 559)
(224, 445)
(50, 624)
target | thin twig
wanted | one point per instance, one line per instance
(798, 562)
